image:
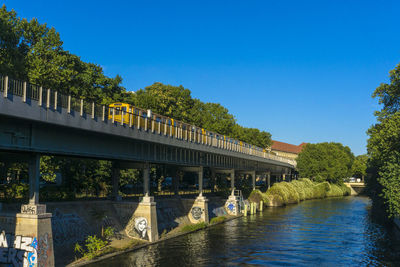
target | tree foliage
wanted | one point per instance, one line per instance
(383, 180)
(330, 162)
(359, 167)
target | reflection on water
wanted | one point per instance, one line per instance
(330, 232)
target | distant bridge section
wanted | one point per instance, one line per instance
(356, 188)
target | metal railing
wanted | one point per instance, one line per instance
(137, 118)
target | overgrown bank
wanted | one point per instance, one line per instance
(284, 193)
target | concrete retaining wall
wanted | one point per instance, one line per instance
(72, 222)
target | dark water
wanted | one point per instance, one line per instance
(330, 232)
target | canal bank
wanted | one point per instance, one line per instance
(278, 195)
(327, 232)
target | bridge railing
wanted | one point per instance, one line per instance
(138, 118)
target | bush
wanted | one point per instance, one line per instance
(321, 189)
(287, 193)
(193, 227)
(94, 245)
(109, 233)
(218, 219)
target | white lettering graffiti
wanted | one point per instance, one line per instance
(18, 251)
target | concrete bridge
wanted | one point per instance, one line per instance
(356, 188)
(36, 121)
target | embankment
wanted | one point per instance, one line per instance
(293, 192)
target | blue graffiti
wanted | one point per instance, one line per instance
(231, 206)
(32, 255)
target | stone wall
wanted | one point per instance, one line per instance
(73, 221)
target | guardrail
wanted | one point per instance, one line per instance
(137, 118)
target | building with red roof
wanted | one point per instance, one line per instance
(286, 150)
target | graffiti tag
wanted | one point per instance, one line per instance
(18, 251)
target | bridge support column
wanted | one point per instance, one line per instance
(232, 204)
(115, 176)
(175, 182)
(33, 232)
(146, 213)
(199, 211)
(232, 175)
(268, 179)
(253, 179)
(213, 180)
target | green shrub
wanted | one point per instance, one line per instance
(255, 196)
(193, 227)
(278, 189)
(300, 188)
(284, 193)
(321, 189)
(94, 245)
(345, 189)
(109, 233)
(293, 194)
(218, 219)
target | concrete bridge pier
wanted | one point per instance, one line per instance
(146, 212)
(115, 177)
(33, 232)
(232, 204)
(253, 179)
(199, 211)
(269, 180)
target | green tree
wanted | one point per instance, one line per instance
(383, 179)
(359, 167)
(172, 101)
(12, 50)
(213, 117)
(325, 162)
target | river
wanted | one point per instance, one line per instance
(328, 232)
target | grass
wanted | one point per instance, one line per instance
(218, 219)
(193, 227)
(284, 193)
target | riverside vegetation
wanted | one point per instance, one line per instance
(293, 192)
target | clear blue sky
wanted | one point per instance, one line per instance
(302, 70)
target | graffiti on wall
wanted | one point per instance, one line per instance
(231, 207)
(138, 227)
(68, 228)
(196, 212)
(18, 251)
(43, 250)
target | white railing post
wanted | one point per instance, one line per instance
(55, 100)
(138, 120)
(104, 113)
(153, 125)
(69, 105)
(48, 99)
(92, 110)
(159, 127)
(5, 93)
(122, 117)
(113, 115)
(146, 122)
(24, 93)
(40, 95)
(130, 120)
(81, 108)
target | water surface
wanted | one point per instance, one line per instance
(329, 232)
